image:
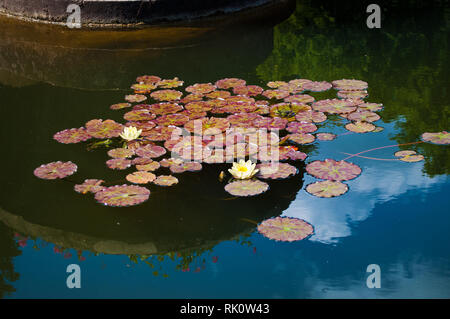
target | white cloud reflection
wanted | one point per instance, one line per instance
(377, 184)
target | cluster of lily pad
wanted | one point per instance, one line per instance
(225, 122)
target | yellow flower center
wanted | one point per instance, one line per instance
(243, 169)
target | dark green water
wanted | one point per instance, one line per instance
(394, 215)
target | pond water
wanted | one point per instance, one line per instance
(194, 240)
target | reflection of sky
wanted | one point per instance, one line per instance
(378, 183)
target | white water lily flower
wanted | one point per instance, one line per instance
(130, 133)
(243, 170)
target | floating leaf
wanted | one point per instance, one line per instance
(89, 185)
(218, 94)
(201, 88)
(404, 153)
(229, 83)
(334, 106)
(192, 98)
(148, 167)
(120, 152)
(55, 170)
(242, 119)
(193, 115)
(333, 170)
(360, 127)
(301, 127)
(177, 119)
(73, 135)
(311, 116)
(270, 123)
(325, 136)
(139, 115)
(162, 133)
(141, 177)
(285, 229)
(315, 86)
(370, 106)
(185, 167)
(363, 116)
(143, 88)
(441, 138)
(168, 84)
(207, 126)
(301, 138)
(276, 84)
(327, 189)
(151, 151)
(151, 79)
(299, 98)
(349, 85)
(275, 94)
(342, 94)
(200, 106)
(248, 90)
(142, 125)
(103, 129)
(122, 195)
(166, 95)
(118, 163)
(141, 161)
(378, 129)
(412, 158)
(167, 162)
(288, 110)
(135, 98)
(165, 180)
(275, 170)
(119, 106)
(246, 188)
(165, 108)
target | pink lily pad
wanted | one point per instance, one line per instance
(325, 136)
(89, 185)
(276, 170)
(248, 90)
(143, 88)
(440, 138)
(349, 85)
(151, 79)
(200, 106)
(151, 151)
(165, 108)
(185, 167)
(141, 161)
(285, 229)
(275, 94)
(370, 106)
(166, 95)
(270, 123)
(311, 116)
(103, 129)
(342, 94)
(165, 180)
(55, 170)
(412, 158)
(207, 126)
(360, 127)
(135, 98)
(333, 170)
(363, 116)
(327, 189)
(120, 106)
(242, 119)
(244, 188)
(301, 127)
(73, 135)
(299, 98)
(118, 163)
(122, 195)
(142, 125)
(301, 138)
(218, 94)
(170, 83)
(334, 106)
(315, 86)
(120, 152)
(162, 133)
(148, 167)
(139, 115)
(405, 153)
(288, 110)
(276, 84)
(192, 98)
(193, 115)
(201, 88)
(229, 83)
(167, 162)
(141, 177)
(177, 119)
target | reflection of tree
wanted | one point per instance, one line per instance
(404, 62)
(8, 250)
